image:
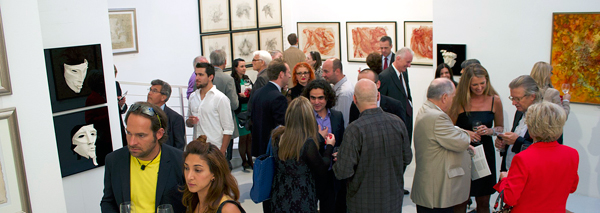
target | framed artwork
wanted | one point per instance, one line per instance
(75, 77)
(123, 30)
(363, 38)
(14, 193)
(418, 36)
(323, 37)
(244, 44)
(453, 55)
(271, 39)
(214, 15)
(575, 55)
(269, 13)
(5, 88)
(243, 14)
(217, 42)
(83, 140)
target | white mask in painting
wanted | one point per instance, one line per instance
(85, 141)
(75, 75)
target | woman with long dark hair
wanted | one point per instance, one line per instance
(313, 58)
(243, 86)
(445, 71)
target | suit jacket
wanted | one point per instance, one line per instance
(261, 80)
(293, 56)
(386, 103)
(443, 173)
(176, 129)
(117, 179)
(337, 128)
(391, 86)
(226, 85)
(268, 111)
(544, 168)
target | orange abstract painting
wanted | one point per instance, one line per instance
(323, 37)
(576, 55)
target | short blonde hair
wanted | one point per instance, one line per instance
(545, 121)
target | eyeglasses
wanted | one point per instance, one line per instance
(517, 99)
(154, 90)
(147, 110)
(253, 60)
(302, 73)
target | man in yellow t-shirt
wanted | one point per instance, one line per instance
(146, 173)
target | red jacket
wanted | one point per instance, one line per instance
(541, 178)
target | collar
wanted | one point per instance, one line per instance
(397, 72)
(432, 105)
(389, 57)
(296, 46)
(371, 111)
(163, 107)
(339, 83)
(277, 85)
(317, 114)
(217, 69)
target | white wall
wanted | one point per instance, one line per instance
(30, 96)
(508, 37)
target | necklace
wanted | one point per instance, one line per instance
(143, 167)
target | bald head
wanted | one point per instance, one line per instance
(371, 75)
(441, 92)
(365, 94)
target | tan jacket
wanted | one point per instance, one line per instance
(292, 56)
(552, 95)
(443, 165)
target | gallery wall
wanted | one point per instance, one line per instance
(508, 39)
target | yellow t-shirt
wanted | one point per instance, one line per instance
(143, 183)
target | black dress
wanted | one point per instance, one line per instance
(293, 187)
(295, 91)
(483, 186)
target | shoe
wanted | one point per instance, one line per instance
(406, 191)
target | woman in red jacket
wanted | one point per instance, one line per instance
(541, 178)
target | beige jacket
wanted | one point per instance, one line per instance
(443, 164)
(552, 95)
(292, 56)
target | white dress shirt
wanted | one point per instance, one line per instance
(344, 90)
(214, 114)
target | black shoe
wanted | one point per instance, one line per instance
(406, 191)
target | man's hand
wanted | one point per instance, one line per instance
(323, 131)
(121, 101)
(499, 143)
(191, 121)
(503, 175)
(509, 137)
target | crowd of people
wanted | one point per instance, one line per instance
(341, 147)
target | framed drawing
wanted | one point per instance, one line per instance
(214, 15)
(244, 44)
(83, 140)
(271, 39)
(217, 42)
(453, 55)
(5, 88)
(575, 55)
(323, 37)
(14, 193)
(123, 30)
(243, 14)
(363, 38)
(75, 77)
(269, 13)
(418, 36)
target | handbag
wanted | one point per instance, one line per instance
(262, 178)
(244, 119)
(500, 206)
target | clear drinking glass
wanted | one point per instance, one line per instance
(126, 207)
(565, 88)
(164, 208)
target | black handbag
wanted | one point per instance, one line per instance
(244, 119)
(500, 206)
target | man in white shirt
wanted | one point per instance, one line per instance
(344, 90)
(209, 109)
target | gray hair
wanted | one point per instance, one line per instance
(263, 55)
(545, 121)
(530, 86)
(403, 51)
(165, 87)
(218, 57)
(439, 87)
(468, 62)
(199, 58)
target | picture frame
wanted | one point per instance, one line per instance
(5, 87)
(214, 15)
(269, 13)
(14, 192)
(362, 38)
(244, 44)
(271, 39)
(418, 36)
(572, 57)
(243, 14)
(460, 51)
(323, 37)
(217, 41)
(123, 30)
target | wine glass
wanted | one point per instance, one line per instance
(164, 208)
(476, 125)
(127, 207)
(565, 88)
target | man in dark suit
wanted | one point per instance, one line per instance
(322, 98)
(260, 62)
(387, 52)
(158, 94)
(145, 172)
(386, 103)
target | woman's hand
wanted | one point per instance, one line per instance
(503, 175)
(484, 130)
(323, 131)
(474, 136)
(241, 94)
(330, 139)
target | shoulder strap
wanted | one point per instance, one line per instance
(493, 97)
(230, 201)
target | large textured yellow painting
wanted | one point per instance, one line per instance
(576, 55)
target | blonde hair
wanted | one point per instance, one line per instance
(300, 125)
(545, 121)
(541, 73)
(462, 98)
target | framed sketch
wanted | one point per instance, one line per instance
(244, 44)
(269, 13)
(271, 39)
(75, 77)
(14, 193)
(214, 15)
(575, 55)
(5, 88)
(217, 42)
(453, 55)
(323, 37)
(418, 35)
(363, 38)
(243, 14)
(83, 140)
(123, 30)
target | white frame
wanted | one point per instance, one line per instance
(12, 173)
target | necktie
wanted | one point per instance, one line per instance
(409, 109)
(385, 63)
